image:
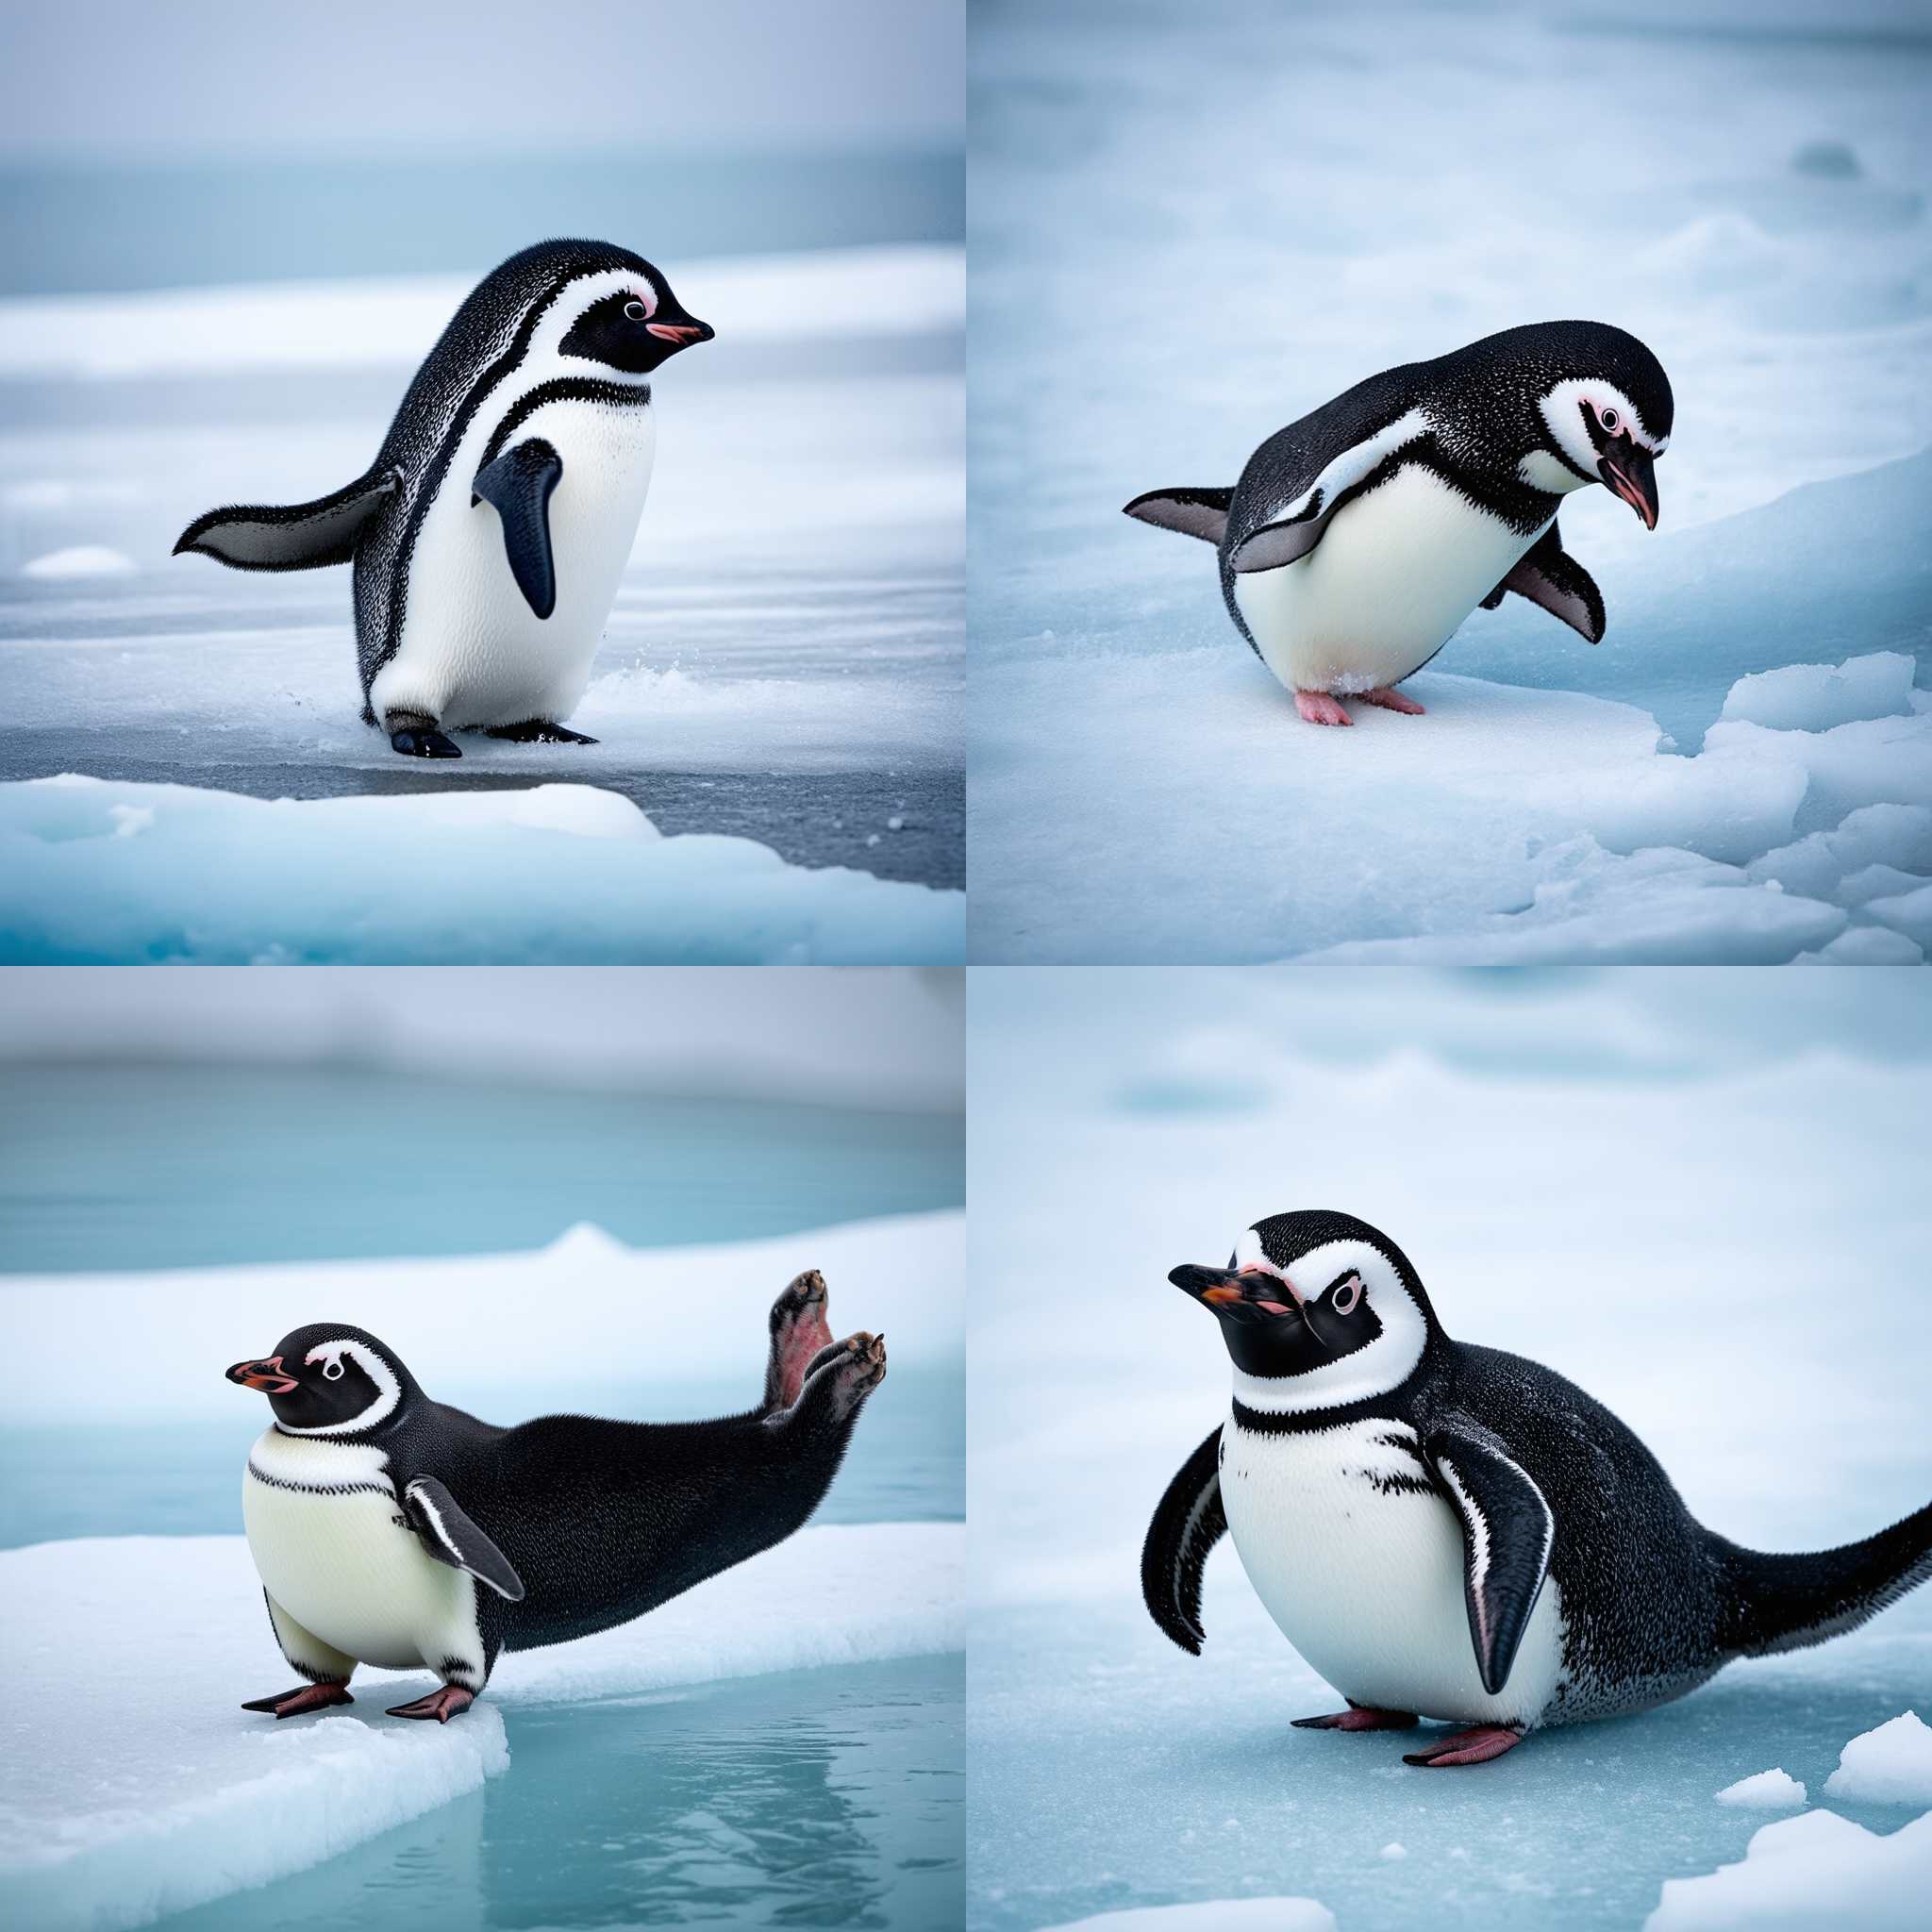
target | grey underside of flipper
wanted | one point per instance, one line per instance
(1547, 575)
(296, 536)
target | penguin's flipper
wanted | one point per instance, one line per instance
(519, 483)
(1546, 573)
(451, 1538)
(1295, 530)
(1507, 1533)
(291, 536)
(1188, 1522)
(1193, 512)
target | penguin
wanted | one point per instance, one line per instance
(392, 1530)
(1359, 538)
(1455, 1532)
(489, 535)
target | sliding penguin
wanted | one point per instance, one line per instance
(489, 535)
(392, 1530)
(1359, 538)
(1452, 1532)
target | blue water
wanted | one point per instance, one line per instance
(144, 1167)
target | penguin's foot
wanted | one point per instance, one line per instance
(1392, 700)
(1318, 708)
(800, 1334)
(451, 1701)
(843, 1375)
(1358, 1717)
(416, 737)
(1475, 1746)
(539, 731)
(305, 1697)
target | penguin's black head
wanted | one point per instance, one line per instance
(1602, 409)
(329, 1379)
(1317, 1295)
(634, 328)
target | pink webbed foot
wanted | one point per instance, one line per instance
(451, 1701)
(1477, 1746)
(1392, 700)
(800, 1334)
(1318, 708)
(305, 1697)
(1358, 1717)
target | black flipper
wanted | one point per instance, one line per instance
(1188, 1522)
(293, 536)
(1546, 573)
(451, 1538)
(1507, 1533)
(1777, 1602)
(519, 483)
(1193, 512)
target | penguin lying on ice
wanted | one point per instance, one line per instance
(489, 532)
(1452, 1532)
(392, 1530)
(1359, 538)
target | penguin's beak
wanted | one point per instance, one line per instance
(1241, 1295)
(1626, 467)
(681, 331)
(264, 1375)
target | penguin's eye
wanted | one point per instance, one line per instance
(332, 1371)
(1609, 419)
(1347, 1294)
(634, 310)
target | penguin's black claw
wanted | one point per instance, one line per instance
(423, 742)
(305, 1697)
(539, 731)
(451, 1701)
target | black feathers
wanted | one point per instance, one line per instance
(1188, 1523)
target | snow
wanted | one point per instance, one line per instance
(903, 1276)
(1644, 1181)
(1212, 1915)
(1155, 292)
(1892, 1765)
(1769, 1791)
(133, 1786)
(79, 560)
(1818, 1870)
(1814, 697)
(106, 872)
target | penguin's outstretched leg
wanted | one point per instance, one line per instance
(305, 1697)
(1390, 700)
(1318, 708)
(451, 1701)
(1477, 1746)
(800, 1334)
(1358, 1717)
(416, 737)
(539, 731)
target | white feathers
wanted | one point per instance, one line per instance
(1345, 470)
(1562, 410)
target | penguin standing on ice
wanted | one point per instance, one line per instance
(392, 1530)
(1359, 538)
(1452, 1532)
(489, 535)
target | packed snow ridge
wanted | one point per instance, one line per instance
(134, 1786)
(101, 871)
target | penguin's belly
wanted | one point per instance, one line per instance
(472, 651)
(338, 1559)
(1366, 1581)
(1395, 573)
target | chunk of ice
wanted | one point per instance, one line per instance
(1892, 1765)
(1815, 697)
(1769, 1791)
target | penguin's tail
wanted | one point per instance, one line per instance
(1779, 1602)
(294, 536)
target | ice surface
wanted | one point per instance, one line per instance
(1892, 1765)
(1814, 697)
(1769, 1791)
(903, 1276)
(108, 872)
(1212, 1915)
(1372, 188)
(1817, 1873)
(80, 560)
(1579, 1166)
(132, 1785)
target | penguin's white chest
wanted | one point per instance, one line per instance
(1364, 1576)
(329, 1543)
(472, 652)
(1395, 573)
